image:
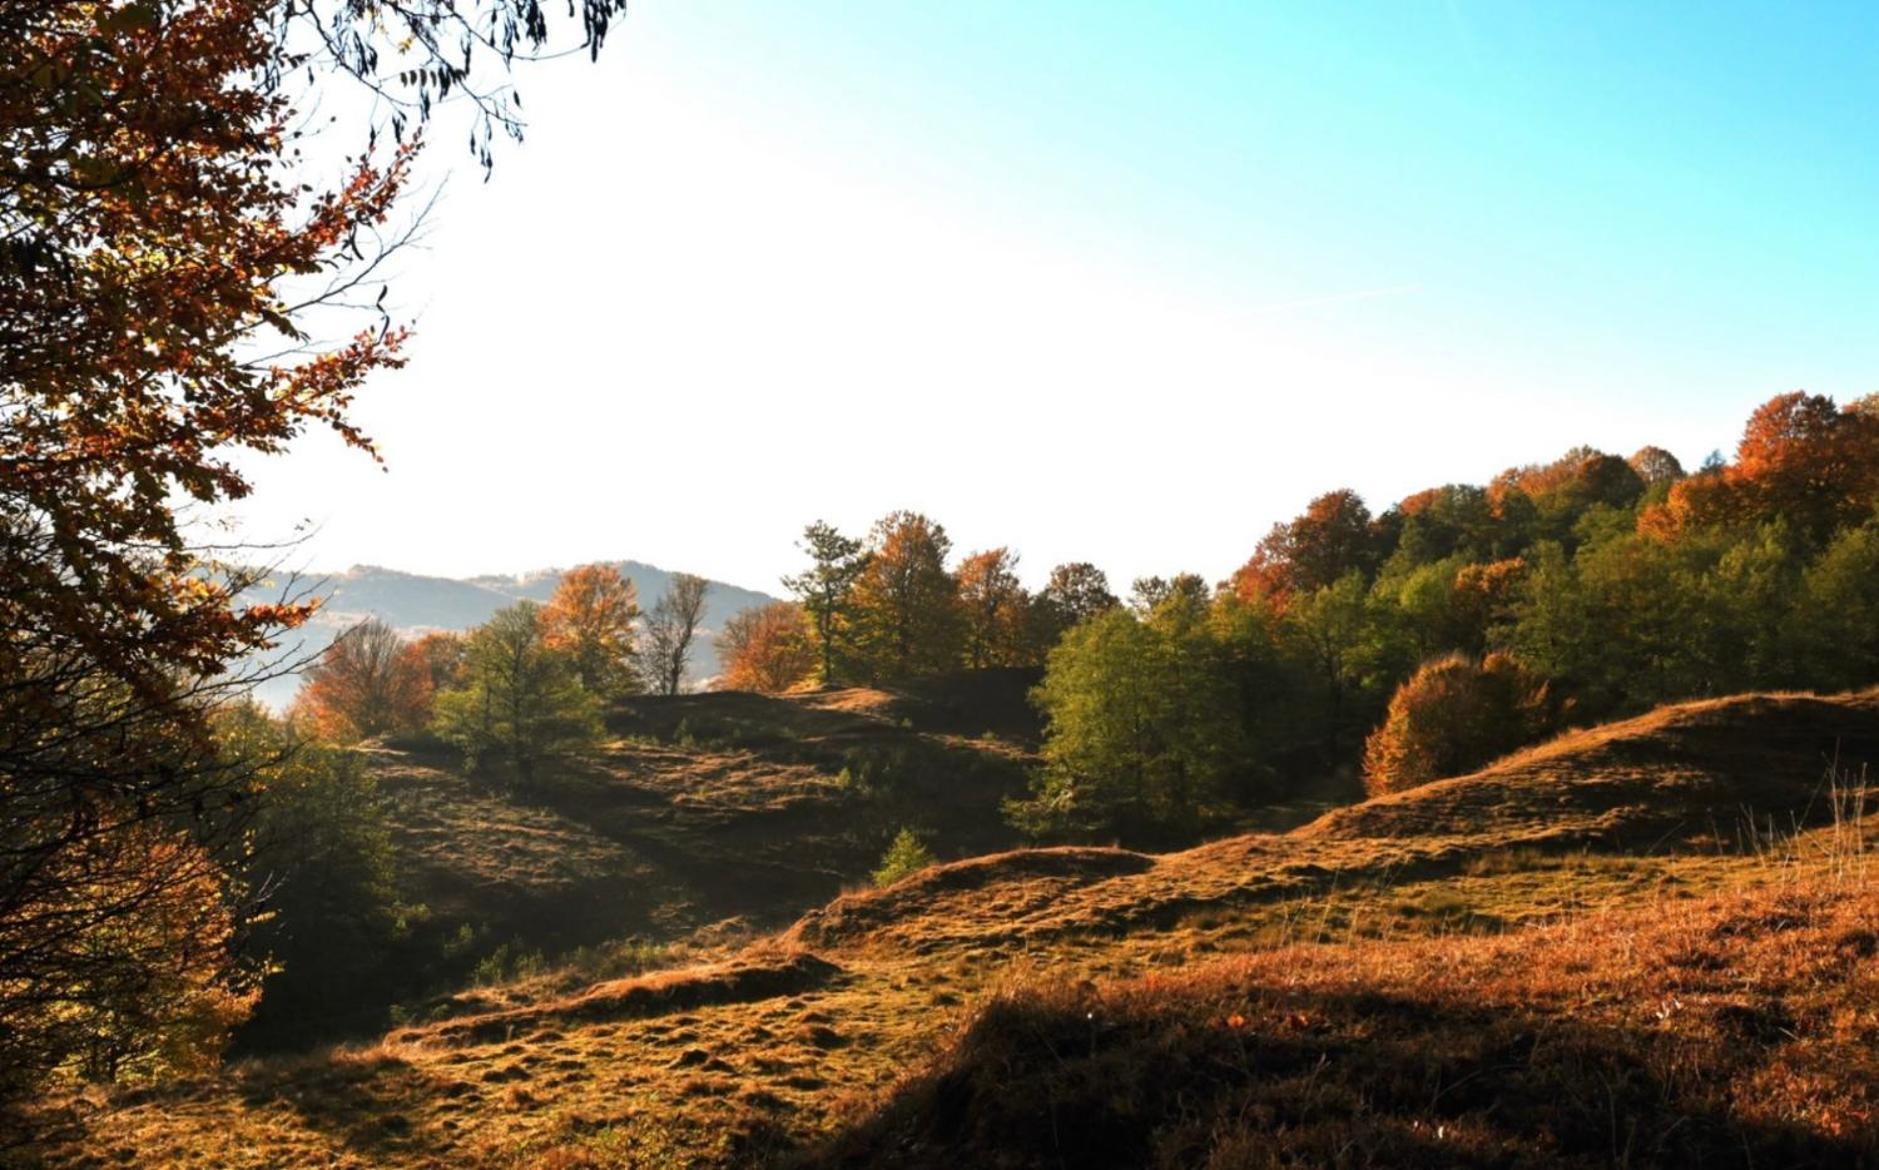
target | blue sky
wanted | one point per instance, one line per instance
(1107, 282)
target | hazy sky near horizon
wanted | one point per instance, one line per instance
(1120, 283)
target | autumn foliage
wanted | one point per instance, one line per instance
(1452, 716)
(368, 682)
(768, 649)
(590, 619)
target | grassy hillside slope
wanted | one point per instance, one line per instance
(1583, 955)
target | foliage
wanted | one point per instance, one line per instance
(995, 606)
(179, 292)
(1075, 592)
(322, 866)
(1143, 730)
(767, 649)
(905, 605)
(1334, 537)
(1453, 715)
(671, 628)
(368, 682)
(590, 620)
(522, 701)
(907, 856)
(826, 589)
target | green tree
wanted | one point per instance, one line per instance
(1835, 622)
(1142, 728)
(323, 866)
(826, 588)
(522, 702)
(907, 856)
(1332, 633)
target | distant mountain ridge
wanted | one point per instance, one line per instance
(416, 603)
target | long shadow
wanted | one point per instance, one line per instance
(1359, 1080)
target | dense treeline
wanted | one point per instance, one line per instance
(1458, 624)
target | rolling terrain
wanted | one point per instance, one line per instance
(1651, 943)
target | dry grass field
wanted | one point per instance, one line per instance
(1654, 943)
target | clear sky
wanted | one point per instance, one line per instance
(1121, 283)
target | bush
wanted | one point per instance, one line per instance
(1452, 716)
(907, 856)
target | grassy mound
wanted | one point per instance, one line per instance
(1738, 1032)
(1682, 771)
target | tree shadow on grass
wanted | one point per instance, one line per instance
(1293, 1079)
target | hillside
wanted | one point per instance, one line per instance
(1581, 955)
(728, 814)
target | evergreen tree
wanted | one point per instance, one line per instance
(827, 587)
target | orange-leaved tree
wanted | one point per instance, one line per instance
(905, 605)
(995, 606)
(768, 648)
(368, 682)
(1802, 460)
(178, 287)
(590, 619)
(1453, 715)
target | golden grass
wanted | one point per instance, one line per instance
(1477, 985)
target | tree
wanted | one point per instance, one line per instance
(441, 653)
(1452, 716)
(995, 605)
(522, 700)
(1148, 594)
(906, 856)
(590, 619)
(1142, 729)
(905, 604)
(1331, 538)
(368, 682)
(1655, 466)
(671, 629)
(323, 867)
(1329, 630)
(827, 586)
(158, 241)
(768, 649)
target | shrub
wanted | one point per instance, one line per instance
(1452, 716)
(907, 856)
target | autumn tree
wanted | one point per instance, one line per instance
(441, 654)
(994, 604)
(1331, 538)
(591, 620)
(1655, 466)
(1801, 460)
(767, 649)
(522, 702)
(826, 589)
(1452, 716)
(368, 682)
(671, 631)
(905, 604)
(169, 273)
